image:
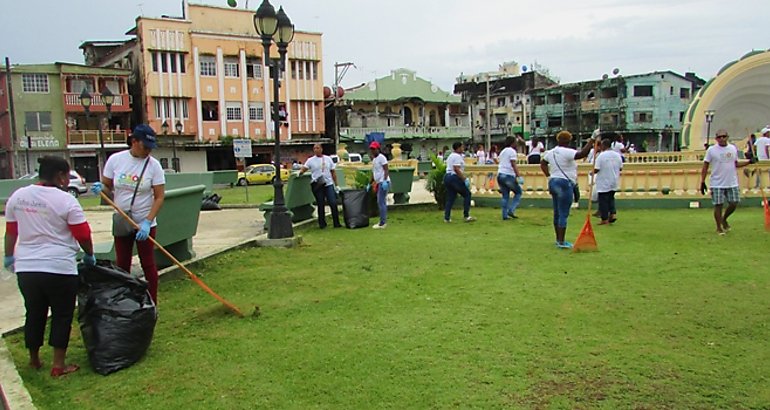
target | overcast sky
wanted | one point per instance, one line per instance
(575, 40)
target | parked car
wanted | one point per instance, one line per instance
(76, 186)
(351, 158)
(260, 174)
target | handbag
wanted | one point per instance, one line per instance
(575, 185)
(121, 226)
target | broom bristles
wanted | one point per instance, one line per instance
(586, 241)
(767, 215)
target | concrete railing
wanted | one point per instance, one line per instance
(647, 180)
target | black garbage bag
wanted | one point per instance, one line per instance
(117, 316)
(355, 208)
(211, 203)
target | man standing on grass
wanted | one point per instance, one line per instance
(509, 179)
(323, 185)
(724, 179)
(380, 182)
(607, 168)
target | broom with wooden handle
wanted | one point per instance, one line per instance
(192, 276)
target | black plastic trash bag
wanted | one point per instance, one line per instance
(117, 316)
(211, 203)
(355, 208)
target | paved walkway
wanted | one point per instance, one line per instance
(218, 231)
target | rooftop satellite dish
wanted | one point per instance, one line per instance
(524, 69)
(605, 76)
(616, 71)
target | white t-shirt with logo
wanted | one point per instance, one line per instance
(378, 168)
(609, 163)
(536, 150)
(45, 243)
(321, 168)
(507, 155)
(481, 157)
(760, 147)
(565, 157)
(722, 160)
(124, 170)
(455, 159)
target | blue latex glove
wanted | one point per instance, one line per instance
(520, 180)
(467, 183)
(96, 188)
(89, 260)
(144, 230)
(385, 185)
(336, 189)
(9, 261)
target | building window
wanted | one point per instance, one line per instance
(294, 70)
(34, 83)
(642, 91)
(254, 68)
(684, 93)
(643, 116)
(256, 111)
(315, 70)
(171, 107)
(501, 102)
(232, 68)
(301, 70)
(233, 111)
(208, 66)
(210, 110)
(37, 120)
(77, 86)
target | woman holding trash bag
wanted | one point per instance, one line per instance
(560, 168)
(323, 185)
(44, 225)
(138, 183)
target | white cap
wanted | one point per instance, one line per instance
(765, 130)
(597, 133)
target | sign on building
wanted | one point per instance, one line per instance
(242, 148)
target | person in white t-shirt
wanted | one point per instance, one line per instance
(456, 182)
(481, 155)
(535, 150)
(607, 169)
(724, 179)
(509, 179)
(560, 168)
(123, 172)
(762, 145)
(45, 228)
(323, 184)
(381, 183)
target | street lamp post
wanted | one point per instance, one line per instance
(164, 131)
(174, 159)
(272, 26)
(108, 99)
(709, 119)
(85, 101)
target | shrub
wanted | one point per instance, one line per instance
(435, 181)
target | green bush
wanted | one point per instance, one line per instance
(435, 181)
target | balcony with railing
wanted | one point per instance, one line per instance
(407, 132)
(91, 137)
(72, 103)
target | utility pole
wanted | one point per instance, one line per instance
(488, 142)
(14, 132)
(338, 76)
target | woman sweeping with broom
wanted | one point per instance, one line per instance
(560, 167)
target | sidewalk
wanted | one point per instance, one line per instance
(218, 231)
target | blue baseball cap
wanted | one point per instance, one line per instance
(146, 134)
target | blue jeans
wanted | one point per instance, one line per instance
(454, 185)
(509, 184)
(562, 197)
(382, 204)
(322, 197)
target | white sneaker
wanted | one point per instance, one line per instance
(470, 219)
(378, 226)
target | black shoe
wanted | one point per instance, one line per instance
(338, 226)
(511, 215)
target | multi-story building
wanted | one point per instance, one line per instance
(205, 71)
(405, 108)
(499, 101)
(647, 109)
(49, 118)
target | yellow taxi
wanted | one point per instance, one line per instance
(260, 174)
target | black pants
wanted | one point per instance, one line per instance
(533, 159)
(325, 194)
(41, 291)
(607, 204)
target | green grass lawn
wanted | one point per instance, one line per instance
(484, 315)
(257, 194)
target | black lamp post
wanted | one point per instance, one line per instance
(175, 160)
(164, 131)
(108, 99)
(709, 118)
(86, 100)
(276, 27)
